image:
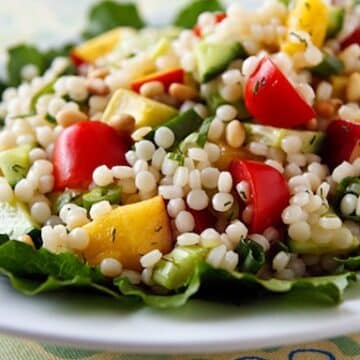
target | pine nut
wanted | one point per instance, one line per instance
(325, 108)
(67, 118)
(235, 134)
(152, 88)
(183, 92)
(353, 87)
(99, 73)
(122, 123)
(97, 86)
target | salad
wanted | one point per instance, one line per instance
(218, 157)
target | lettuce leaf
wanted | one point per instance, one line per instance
(108, 15)
(351, 263)
(220, 285)
(33, 271)
(187, 17)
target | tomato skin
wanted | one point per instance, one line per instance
(219, 17)
(81, 148)
(342, 142)
(76, 60)
(269, 192)
(272, 100)
(353, 38)
(165, 77)
(204, 219)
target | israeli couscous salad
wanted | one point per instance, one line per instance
(218, 157)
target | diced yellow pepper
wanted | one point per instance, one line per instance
(339, 84)
(160, 48)
(145, 111)
(128, 232)
(99, 46)
(310, 16)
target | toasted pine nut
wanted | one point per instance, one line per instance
(325, 108)
(183, 92)
(123, 123)
(353, 87)
(235, 134)
(100, 73)
(66, 118)
(97, 86)
(152, 88)
(140, 133)
(312, 124)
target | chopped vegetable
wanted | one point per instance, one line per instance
(330, 65)
(353, 38)
(251, 256)
(111, 194)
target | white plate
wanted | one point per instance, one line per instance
(92, 321)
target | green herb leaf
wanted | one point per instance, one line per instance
(251, 256)
(203, 131)
(49, 118)
(188, 16)
(109, 14)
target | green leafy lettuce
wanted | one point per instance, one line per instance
(109, 14)
(187, 16)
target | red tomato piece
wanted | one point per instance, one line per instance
(204, 219)
(353, 38)
(269, 192)
(342, 142)
(219, 17)
(81, 148)
(272, 100)
(166, 77)
(76, 60)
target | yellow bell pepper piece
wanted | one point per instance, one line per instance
(145, 111)
(310, 16)
(128, 232)
(99, 46)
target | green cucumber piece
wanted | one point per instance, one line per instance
(336, 21)
(15, 163)
(272, 136)
(15, 220)
(175, 269)
(214, 58)
(181, 125)
(109, 193)
(330, 65)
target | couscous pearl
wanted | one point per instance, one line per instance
(44, 135)
(146, 276)
(258, 149)
(291, 214)
(184, 222)
(225, 182)
(174, 206)
(68, 209)
(102, 176)
(6, 192)
(222, 201)
(46, 184)
(292, 170)
(170, 191)
(210, 238)
(40, 212)
(314, 204)
(197, 199)
(213, 152)
(128, 186)
(342, 238)
(271, 234)
(280, 261)
(169, 166)
(181, 176)
(216, 130)
(144, 150)
(236, 231)
(198, 154)
(209, 177)
(131, 157)
(261, 240)
(216, 256)
(275, 164)
(318, 169)
(291, 144)
(123, 172)
(164, 137)
(226, 112)
(145, 181)
(24, 190)
(76, 220)
(195, 179)
(78, 239)
(243, 189)
(230, 261)
(342, 171)
(298, 159)
(110, 267)
(235, 134)
(330, 222)
(140, 165)
(188, 239)
(300, 199)
(36, 154)
(100, 209)
(133, 276)
(300, 231)
(357, 210)
(158, 158)
(225, 240)
(150, 259)
(232, 76)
